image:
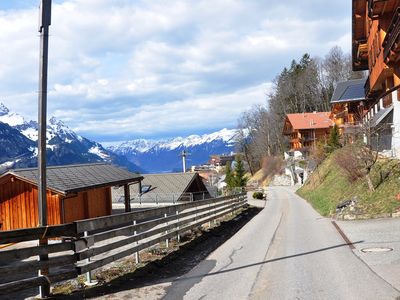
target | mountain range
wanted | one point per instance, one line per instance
(18, 147)
(157, 156)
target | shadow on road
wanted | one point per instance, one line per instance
(173, 265)
(267, 261)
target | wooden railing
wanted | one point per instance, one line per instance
(373, 12)
(86, 245)
(392, 36)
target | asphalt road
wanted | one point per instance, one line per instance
(288, 251)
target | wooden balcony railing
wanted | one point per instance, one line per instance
(391, 42)
(375, 8)
(385, 101)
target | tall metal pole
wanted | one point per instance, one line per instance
(44, 23)
(184, 154)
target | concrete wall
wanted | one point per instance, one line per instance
(396, 125)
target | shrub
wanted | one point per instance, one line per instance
(348, 161)
(258, 195)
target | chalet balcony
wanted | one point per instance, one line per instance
(382, 108)
(376, 8)
(307, 139)
(391, 43)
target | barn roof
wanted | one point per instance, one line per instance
(168, 185)
(312, 120)
(76, 178)
(348, 91)
(172, 183)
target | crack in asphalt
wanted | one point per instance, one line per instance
(230, 258)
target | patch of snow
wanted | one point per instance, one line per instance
(30, 133)
(12, 119)
(97, 151)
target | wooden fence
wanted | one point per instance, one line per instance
(85, 245)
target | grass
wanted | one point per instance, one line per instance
(329, 185)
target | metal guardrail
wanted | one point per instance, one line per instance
(106, 239)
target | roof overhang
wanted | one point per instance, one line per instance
(75, 190)
(359, 38)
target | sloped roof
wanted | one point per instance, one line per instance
(310, 120)
(348, 91)
(167, 185)
(169, 182)
(75, 178)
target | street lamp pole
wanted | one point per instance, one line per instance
(44, 23)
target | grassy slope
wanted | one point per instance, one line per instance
(328, 186)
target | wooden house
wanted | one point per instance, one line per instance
(376, 49)
(306, 129)
(348, 106)
(74, 192)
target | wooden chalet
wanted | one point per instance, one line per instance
(74, 192)
(376, 49)
(306, 129)
(348, 106)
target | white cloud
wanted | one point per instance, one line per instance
(133, 62)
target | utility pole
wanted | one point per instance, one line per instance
(184, 154)
(44, 23)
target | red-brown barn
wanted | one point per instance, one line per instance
(74, 192)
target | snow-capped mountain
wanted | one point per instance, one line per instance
(163, 155)
(18, 144)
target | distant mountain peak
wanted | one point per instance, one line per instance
(64, 146)
(3, 109)
(163, 155)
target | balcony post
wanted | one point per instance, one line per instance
(381, 103)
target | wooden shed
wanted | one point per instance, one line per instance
(74, 192)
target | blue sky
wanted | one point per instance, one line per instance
(124, 69)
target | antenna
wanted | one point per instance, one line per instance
(184, 154)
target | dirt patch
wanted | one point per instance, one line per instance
(160, 265)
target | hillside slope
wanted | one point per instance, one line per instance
(329, 186)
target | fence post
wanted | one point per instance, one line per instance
(166, 232)
(89, 281)
(44, 290)
(210, 209)
(137, 257)
(178, 237)
(234, 198)
(215, 214)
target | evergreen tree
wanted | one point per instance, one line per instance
(334, 139)
(239, 178)
(228, 175)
